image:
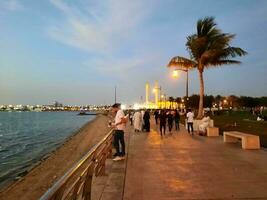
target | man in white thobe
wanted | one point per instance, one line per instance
(137, 119)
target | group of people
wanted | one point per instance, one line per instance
(167, 117)
(140, 119)
(202, 126)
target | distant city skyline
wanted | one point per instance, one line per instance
(75, 52)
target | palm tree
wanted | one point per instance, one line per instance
(209, 47)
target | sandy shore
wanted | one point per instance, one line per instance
(33, 185)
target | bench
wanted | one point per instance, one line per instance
(248, 141)
(212, 131)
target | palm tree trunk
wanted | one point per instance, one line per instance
(201, 95)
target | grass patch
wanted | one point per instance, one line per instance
(242, 121)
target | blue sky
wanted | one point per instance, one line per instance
(75, 52)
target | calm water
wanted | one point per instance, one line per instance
(26, 137)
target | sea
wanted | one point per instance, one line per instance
(28, 137)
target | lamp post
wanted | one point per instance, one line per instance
(184, 64)
(175, 75)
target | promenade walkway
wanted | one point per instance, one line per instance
(181, 166)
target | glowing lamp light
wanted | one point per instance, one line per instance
(154, 90)
(175, 74)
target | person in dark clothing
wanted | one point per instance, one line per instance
(162, 121)
(146, 121)
(177, 120)
(131, 117)
(170, 121)
(156, 114)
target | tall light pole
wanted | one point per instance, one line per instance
(175, 75)
(184, 64)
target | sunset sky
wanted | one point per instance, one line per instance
(75, 52)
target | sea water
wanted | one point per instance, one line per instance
(26, 137)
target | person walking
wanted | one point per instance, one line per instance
(119, 126)
(162, 122)
(142, 118)
(177, 120)
(137, 121)
(170, 121)
(131, 117)
(190, 120)
(147, 121)
(156, 114)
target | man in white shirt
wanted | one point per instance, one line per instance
(190, 120)
(119, 125)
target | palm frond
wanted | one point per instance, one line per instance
(204, 26)
(210, 46)
(220, 41)
(234, 51)
(217, 63)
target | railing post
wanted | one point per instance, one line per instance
(59, 194)
(74, 195)
(87, 188)
(110, 148)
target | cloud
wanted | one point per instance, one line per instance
(105, 30)
(10, 5)
(97, 27)
(119, 67)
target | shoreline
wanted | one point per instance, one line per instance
(39, 161)
(53, 165)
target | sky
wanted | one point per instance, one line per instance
(76, 52)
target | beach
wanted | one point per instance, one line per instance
(38, 180)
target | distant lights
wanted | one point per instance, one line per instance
(123, 106)
(136, 106)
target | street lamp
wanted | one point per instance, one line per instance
(175, 75)
(183, 64)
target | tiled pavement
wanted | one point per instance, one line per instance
(181, 166)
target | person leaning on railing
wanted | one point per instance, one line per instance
(119, 128)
